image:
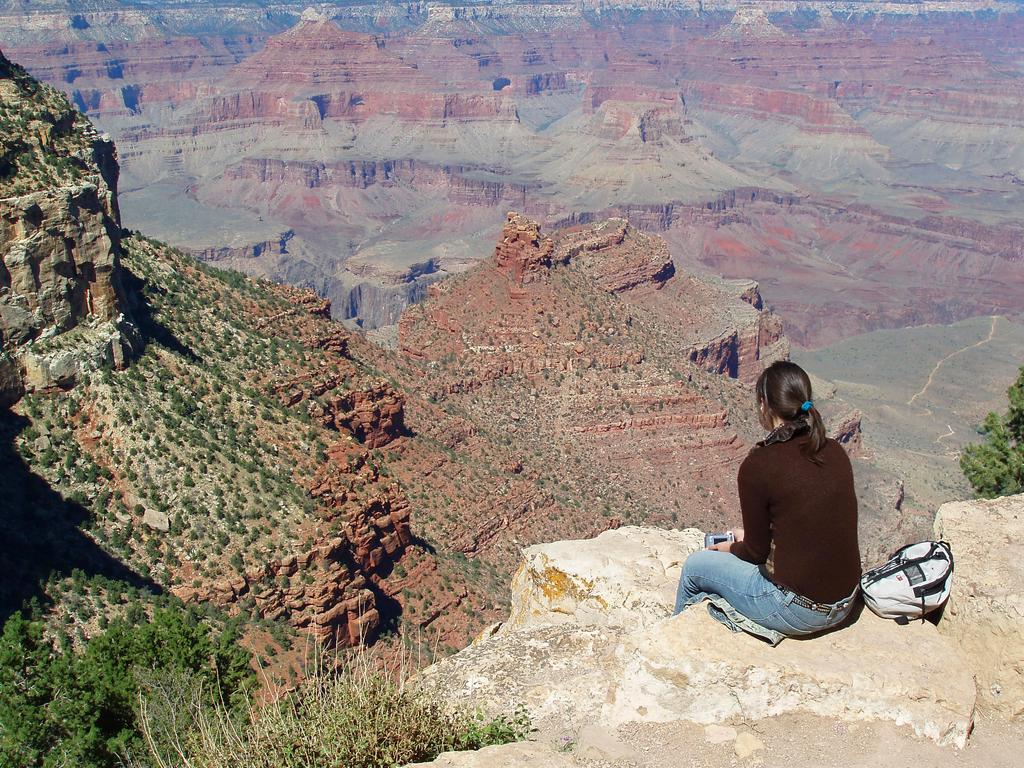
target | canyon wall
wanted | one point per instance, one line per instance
(59, 246)
(732, 130)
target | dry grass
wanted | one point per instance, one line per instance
(363, 714)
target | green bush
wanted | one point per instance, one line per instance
(996, 467)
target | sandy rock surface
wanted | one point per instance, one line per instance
(985, 614)
(688, 668)
(788, 741)
(691, 669)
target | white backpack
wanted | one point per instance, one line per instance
(914, 582)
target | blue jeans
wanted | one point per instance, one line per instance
(741, 596)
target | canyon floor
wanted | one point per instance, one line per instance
(923, 392)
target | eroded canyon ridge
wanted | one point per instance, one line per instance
(861, 160)
(225, 440)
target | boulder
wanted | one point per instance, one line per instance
(59, 369)
(689, 668)
(17, 325)
(985, 613)
(592, 641)
(623, 577)
(157, 520)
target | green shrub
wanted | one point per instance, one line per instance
(996, 467)
(59, 708)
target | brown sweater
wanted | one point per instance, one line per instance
(807, 512)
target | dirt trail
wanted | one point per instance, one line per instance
(951, 355)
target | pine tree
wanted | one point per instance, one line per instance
(996, 467)
(30, 678)
(62, 708)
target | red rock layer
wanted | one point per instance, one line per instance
(870, 95)
(269, 182)
(363, 518)
(574, 313)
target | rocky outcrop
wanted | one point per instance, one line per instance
(60, 252)
(625, 577)
(11, 385)
(461, 183)
(332, 589)
(374, 513)
(985, 614)
(522, 254)
(59, 245)
(590, 639)
(374, 414)
(234, 254)
(846, 430)
(614, 255)
(749, 24)
(742, 352)
(372, 411)
(319, 590)
(377, 304)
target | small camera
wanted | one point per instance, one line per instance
(710, 539)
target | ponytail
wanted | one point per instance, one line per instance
(818, 436)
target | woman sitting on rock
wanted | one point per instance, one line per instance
(795, 566)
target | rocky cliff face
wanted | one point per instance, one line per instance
(68, 275)
(638, 271)
(589, 639)
(60, 241)
(332, 590)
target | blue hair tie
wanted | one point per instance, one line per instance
(806, 406)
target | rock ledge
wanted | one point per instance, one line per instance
(590, 639)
